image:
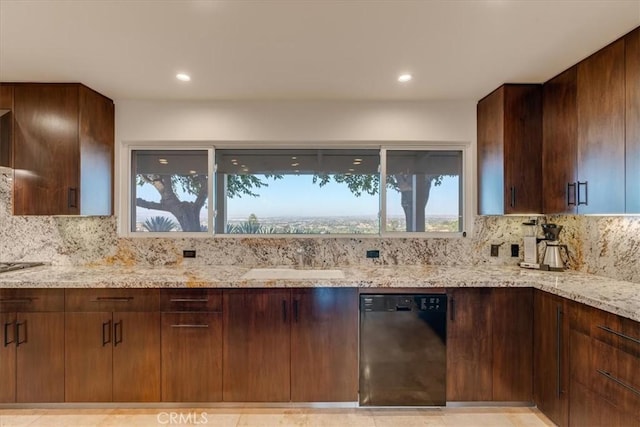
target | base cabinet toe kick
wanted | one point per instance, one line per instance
(304, 346)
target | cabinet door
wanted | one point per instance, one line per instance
(522, 148)
(136, 357)
(491, 181)
(46, 152)
(191, 357)
(632, 147)
(88, 357)
(559, 144)
(469, 345)
(512, 330)
(8, 358)
(6, 125)
(601, 131)
(550, 370)
(40, 357)
(324, 345)
(256, 355)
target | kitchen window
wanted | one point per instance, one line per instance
(296, 191)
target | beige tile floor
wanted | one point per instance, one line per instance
(302, 417)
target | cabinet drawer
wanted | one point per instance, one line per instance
(112, 300)
(191, 300)
(31, 300)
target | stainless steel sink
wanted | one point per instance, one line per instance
(292, 274)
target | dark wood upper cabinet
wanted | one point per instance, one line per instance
(600, 185)
(560, 143)
(6, 125)
(63, 139)
(632, 83)
(509, 150)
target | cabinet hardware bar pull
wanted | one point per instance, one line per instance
(18, 341)
(106, 329)
(16, 300)
(117, 326)
(189, 300)
(586, 194)
(189, 326)
(570, 186)
(6, 334)
(112, 299)
(295, 310)
(619, 381)
(620, 334)
(72, 197)
(558, 351)
(284, 310)
(513, 197)
(452, 309)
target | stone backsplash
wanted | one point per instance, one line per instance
(607, 246)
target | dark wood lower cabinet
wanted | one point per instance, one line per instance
(112, 357)
(469, 345)
(324, 345)
(550, 356)
(32, 357)
(257, 345)
(191, 357)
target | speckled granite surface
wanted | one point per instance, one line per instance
(615, 296)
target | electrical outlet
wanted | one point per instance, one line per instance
(494, 250)
(515, 251)
(189, 254)
(373, 253)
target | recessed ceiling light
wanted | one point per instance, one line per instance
(183, 77)
(356, 163)
(163, 161)
(403, 78)
(192, 172)
(357, 160)
(295, 164)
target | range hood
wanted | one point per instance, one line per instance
(6, 161)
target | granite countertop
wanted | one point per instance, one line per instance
(619, 297)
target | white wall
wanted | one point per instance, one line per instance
(299, 122)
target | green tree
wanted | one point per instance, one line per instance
(160, 223)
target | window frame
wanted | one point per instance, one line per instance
(125, 186)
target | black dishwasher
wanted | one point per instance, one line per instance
(403, 350)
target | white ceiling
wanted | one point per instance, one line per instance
(297, 49)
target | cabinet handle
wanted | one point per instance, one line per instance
(284, 310)
(559, 315)
(189, 300)
(18, 341)
(620, 334)
(619, 381)
(571, 186)
(16, 300)
(72, 197)
(586, 193)
(295, 310)
(106, 332)
(6, 334)
(117, 326)
(452, 307)
(112, 299)
(186, 325)
(513, 197)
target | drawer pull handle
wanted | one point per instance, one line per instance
(189, 300)
(620, 334)
(619, 381)
(112, 299)
(16, 300)
(186, 325)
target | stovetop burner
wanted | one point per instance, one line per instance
(11, 266)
